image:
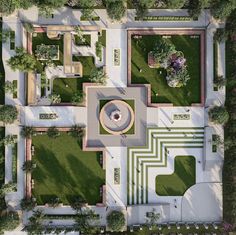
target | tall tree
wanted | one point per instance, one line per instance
(174, 4)
(22, 61)
(222, 9)
(115, 9)
(142, 7)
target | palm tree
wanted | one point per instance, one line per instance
(219, 82)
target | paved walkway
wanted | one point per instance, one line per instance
(67, 116)
(203, 202)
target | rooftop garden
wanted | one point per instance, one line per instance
(64, 171)
(67, 87)
(170, 64)
(39, 40)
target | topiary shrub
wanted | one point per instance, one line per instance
(218, 115)
(116, 221)
(8, 114)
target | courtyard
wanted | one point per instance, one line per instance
(64, 170)
(142, 43)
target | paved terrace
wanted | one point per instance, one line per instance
(94, 138)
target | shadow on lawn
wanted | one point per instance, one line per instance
(53, 179)
(88, 182)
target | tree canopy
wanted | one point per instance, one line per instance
(22, 61)
(8, 114)
(116, 221)
(115, 9)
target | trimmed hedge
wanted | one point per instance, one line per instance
(166, 18)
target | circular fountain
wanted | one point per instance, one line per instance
(116, 117)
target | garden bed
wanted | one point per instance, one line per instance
(141, 73)
(66, 87)
(86, 42)
(65, 171)
(42, 38)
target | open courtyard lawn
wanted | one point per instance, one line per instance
(183, 177)
(161, 92)
(66, 87)
(65, 171)
(42, 38)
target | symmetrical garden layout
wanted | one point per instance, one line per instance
(114, 116)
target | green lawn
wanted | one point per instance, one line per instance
(66, 87)
(183, 177)
(65, 171)
(161, 92)
(42, 38)
(2, 72)
(102, 38)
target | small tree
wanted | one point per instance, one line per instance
(77, 131)
(7, 188)
(4, 35)
(53, 132)
(174, 4)
(152, 218)
(78, 97)
(10, 88)
(220, 82)
(28, 166)
(55, 98)
(218, 115)
(9, 221)
(142, 7)
(27, 132)
(77, 203)
(28, 204)
(9, 140)
(54, 202)
(8, 114)
(28, 27)
(36, 223)
(86, 221)
(98, 76)
(115, 9)
(46, 10)
(220, 35)
(22, 61)
(79, 33)
(116, 221)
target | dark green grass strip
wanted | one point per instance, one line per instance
(65, 171)
(183, 177)
(14, 163)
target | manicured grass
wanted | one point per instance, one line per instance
(183, 177)
(102, 38)
(65, 171)
(87, 41)
(160, 91)
(2, 72)
(131, 131)
(66, 87)
(42, 38)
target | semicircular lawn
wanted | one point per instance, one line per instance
(183, 177)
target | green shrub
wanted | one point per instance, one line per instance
(116, 221)
(9, 222)
(219, 115)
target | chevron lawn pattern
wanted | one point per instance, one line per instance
(141, 159)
